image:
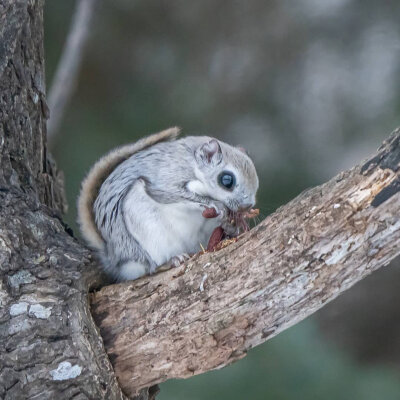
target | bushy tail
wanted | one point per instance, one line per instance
(97, 175)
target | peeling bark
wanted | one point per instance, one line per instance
(208, 313)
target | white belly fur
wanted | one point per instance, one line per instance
(166, 230)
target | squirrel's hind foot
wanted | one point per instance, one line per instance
(178, 260)
(174, 262)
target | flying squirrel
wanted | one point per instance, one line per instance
(143, 205)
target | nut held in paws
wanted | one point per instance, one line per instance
(210, 212)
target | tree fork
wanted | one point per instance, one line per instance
(209, 312)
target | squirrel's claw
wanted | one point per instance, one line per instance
(178, 260)
(174, 262)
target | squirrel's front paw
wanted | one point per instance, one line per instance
(214, 210)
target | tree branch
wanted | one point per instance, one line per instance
(208, 313)
(66, 75)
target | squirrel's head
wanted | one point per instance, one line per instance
(226, 174)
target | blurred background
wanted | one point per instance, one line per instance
(309, 88)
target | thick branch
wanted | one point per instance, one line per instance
(207, 313)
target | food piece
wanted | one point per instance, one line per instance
(215, 238)
(219, 239)
(254, 212)
(224, 243)
(210, 212)
(240, 218)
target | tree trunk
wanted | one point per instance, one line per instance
(50, 347)
(178, 323)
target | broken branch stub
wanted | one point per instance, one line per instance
(209, 312)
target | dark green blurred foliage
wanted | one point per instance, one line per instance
(295, 365)
(308, 87)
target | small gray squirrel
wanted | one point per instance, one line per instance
(141, 205)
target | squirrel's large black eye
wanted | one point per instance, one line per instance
(227, 180)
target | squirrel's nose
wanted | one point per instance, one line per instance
(245, 206)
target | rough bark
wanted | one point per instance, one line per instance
(206, 314)
(49, 345)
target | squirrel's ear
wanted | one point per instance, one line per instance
(209, 153)
(242, 149)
